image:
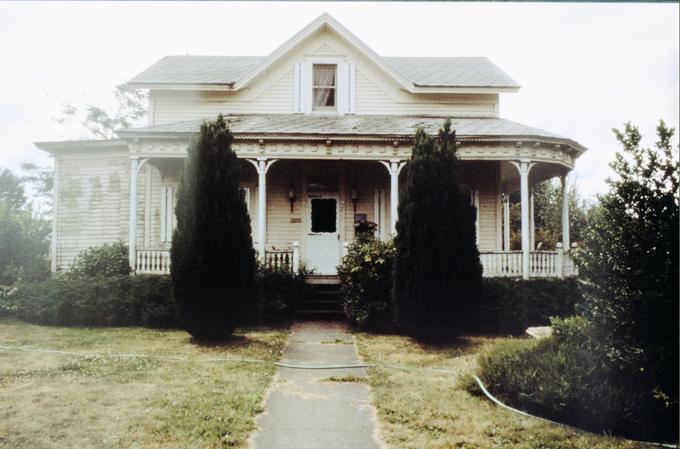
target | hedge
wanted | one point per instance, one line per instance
(568, 378)
(96, 301)
(509, 306)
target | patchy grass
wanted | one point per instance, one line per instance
(350, 378)
(104, 398)
(426, 407)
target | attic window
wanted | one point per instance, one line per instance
(324, 87)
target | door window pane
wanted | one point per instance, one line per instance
(324, 215)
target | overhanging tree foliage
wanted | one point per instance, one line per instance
(548, 215)
(437, 262)
(629, 268)
(213, 260)
(24, 235)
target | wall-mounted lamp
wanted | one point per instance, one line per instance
(355, 196)
(291, 196)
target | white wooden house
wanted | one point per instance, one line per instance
(323, 126)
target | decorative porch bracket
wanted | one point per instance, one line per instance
(394, 167)
(262, 165)
(135, 165)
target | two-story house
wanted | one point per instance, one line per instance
(323, 126)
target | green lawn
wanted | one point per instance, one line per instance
(102, 399)
(419, 408)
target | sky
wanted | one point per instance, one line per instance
(584, 68)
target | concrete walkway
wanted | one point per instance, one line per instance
(303, 409)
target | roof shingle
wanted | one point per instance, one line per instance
(357, 125)
(226, 70)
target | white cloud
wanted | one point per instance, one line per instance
(585, 68)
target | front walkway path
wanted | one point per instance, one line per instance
(304, 409)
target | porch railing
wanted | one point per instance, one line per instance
(542, 264)
(152, 262)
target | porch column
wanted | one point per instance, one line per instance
(394, 167)
(506, 222)
(135, 165)
(532, 221)
(524, 167)
(565, 213)
(262, 166)
(132, 231)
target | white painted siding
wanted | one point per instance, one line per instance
(177, 106)
(483, 177)
(93, 203)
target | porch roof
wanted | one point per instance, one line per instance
(357, 126)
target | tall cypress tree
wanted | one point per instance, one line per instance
(437, 262)
(213, 260)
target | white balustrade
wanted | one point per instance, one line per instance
(542, 264)
(280, 259)
(152, 262)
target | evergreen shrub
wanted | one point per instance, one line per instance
(212, 255)
(437, 264)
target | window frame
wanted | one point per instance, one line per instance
(341, 84)
(334, 108)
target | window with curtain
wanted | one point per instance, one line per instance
(324, 87)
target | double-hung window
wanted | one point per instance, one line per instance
(324, 87)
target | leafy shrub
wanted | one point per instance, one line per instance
(366, 274)
(629, 267)
(95, 301)
(109, 259)
(278, 291)
(567, 378)
(509, 306)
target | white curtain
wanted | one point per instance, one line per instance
(324, 75)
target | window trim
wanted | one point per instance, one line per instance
(341, 85)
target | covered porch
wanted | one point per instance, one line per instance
(307, 180)
(303, 212)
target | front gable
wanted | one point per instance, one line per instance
(281, 83)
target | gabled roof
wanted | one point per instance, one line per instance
(414, 74)
(358, 126)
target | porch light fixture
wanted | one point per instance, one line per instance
(355, 195)
(291, 196)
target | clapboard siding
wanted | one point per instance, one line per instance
(483, 177)
(93, 203)
(177, 106)
(372, 98)
(283, 227)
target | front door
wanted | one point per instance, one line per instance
(323, 239)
